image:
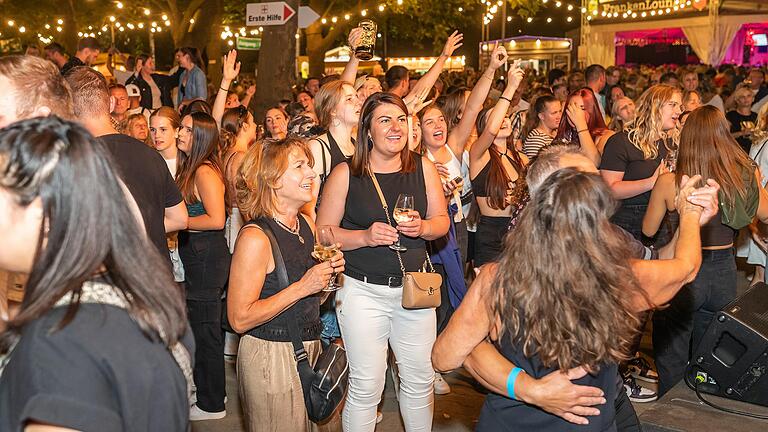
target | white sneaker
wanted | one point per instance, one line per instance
(196, 414)
(441, 387)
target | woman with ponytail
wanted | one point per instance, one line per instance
(497, 173)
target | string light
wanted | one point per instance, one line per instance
(119, 5)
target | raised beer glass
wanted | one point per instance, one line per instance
(364, 49)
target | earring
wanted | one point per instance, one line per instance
(336, 122)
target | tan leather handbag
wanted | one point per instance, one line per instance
(421, 289)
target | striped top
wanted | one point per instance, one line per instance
(534, 142)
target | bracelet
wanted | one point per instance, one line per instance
(225, 89)
(506, 99)
(582, 130)
(511, 378)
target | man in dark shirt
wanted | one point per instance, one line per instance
(142, 169)
(88, 49)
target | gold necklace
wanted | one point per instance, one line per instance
(294, 231)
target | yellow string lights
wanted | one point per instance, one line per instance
(596, 11)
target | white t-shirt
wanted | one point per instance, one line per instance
(171, 166)
(717, 102)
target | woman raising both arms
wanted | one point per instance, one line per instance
(494, 167)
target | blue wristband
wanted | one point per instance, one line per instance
(511, 378)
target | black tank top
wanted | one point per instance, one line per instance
(502, 414)
(297, 261)
(363, 208)
(480, 182)
(334, 150)
(716, 233)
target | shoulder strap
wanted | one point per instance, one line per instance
(300, 354)
(324, 146)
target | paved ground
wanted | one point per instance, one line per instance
(454, 412)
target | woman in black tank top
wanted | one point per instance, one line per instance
(496, 170)
(707, 149)
(256, 303)
(338, 111)
(369, 304)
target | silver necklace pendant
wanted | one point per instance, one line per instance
(294, 231)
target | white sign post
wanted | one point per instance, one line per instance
(265, 14)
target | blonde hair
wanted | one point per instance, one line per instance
(327, 99)
(257, 179)
(644, 132)
(741, 89)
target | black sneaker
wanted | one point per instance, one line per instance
(636, 393)
(641, 369)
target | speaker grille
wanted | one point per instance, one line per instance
(752, 309)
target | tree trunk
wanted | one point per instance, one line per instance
(316, 48)
(70, 38)
(277, 64)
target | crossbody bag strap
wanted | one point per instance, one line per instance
(389, 220)
(299, 353)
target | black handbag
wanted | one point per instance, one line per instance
(325, 385)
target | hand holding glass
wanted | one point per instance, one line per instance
(402, 214)
(325, 249)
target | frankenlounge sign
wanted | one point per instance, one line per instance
(620, 7)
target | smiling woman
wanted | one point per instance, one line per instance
(369, 304)
(274, 182)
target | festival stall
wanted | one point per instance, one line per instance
(537, 52)
(675, 31)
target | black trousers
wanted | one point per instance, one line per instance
(678, 329)
(206, 259)
(626, 417)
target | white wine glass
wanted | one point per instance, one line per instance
(325, 249)
(402, 214)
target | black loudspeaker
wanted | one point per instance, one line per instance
(732, 359)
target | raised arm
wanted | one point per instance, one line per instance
(249, 92)
(350, 70)
(657, 206)
(429, 79)
(496, 117)
(230, 72)
(662, 279)
(460, 134)
(588, 148)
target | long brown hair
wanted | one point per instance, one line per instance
(707, 148)
(581, 313)
(204, 151)
(498, 180)
(364, 144)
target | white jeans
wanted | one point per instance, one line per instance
(372, 317)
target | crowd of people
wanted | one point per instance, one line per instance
(153, 211)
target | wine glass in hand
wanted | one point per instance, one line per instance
(402, 213)
(325, 249)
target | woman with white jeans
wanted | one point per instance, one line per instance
(369, 305)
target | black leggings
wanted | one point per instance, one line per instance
(206, 258)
